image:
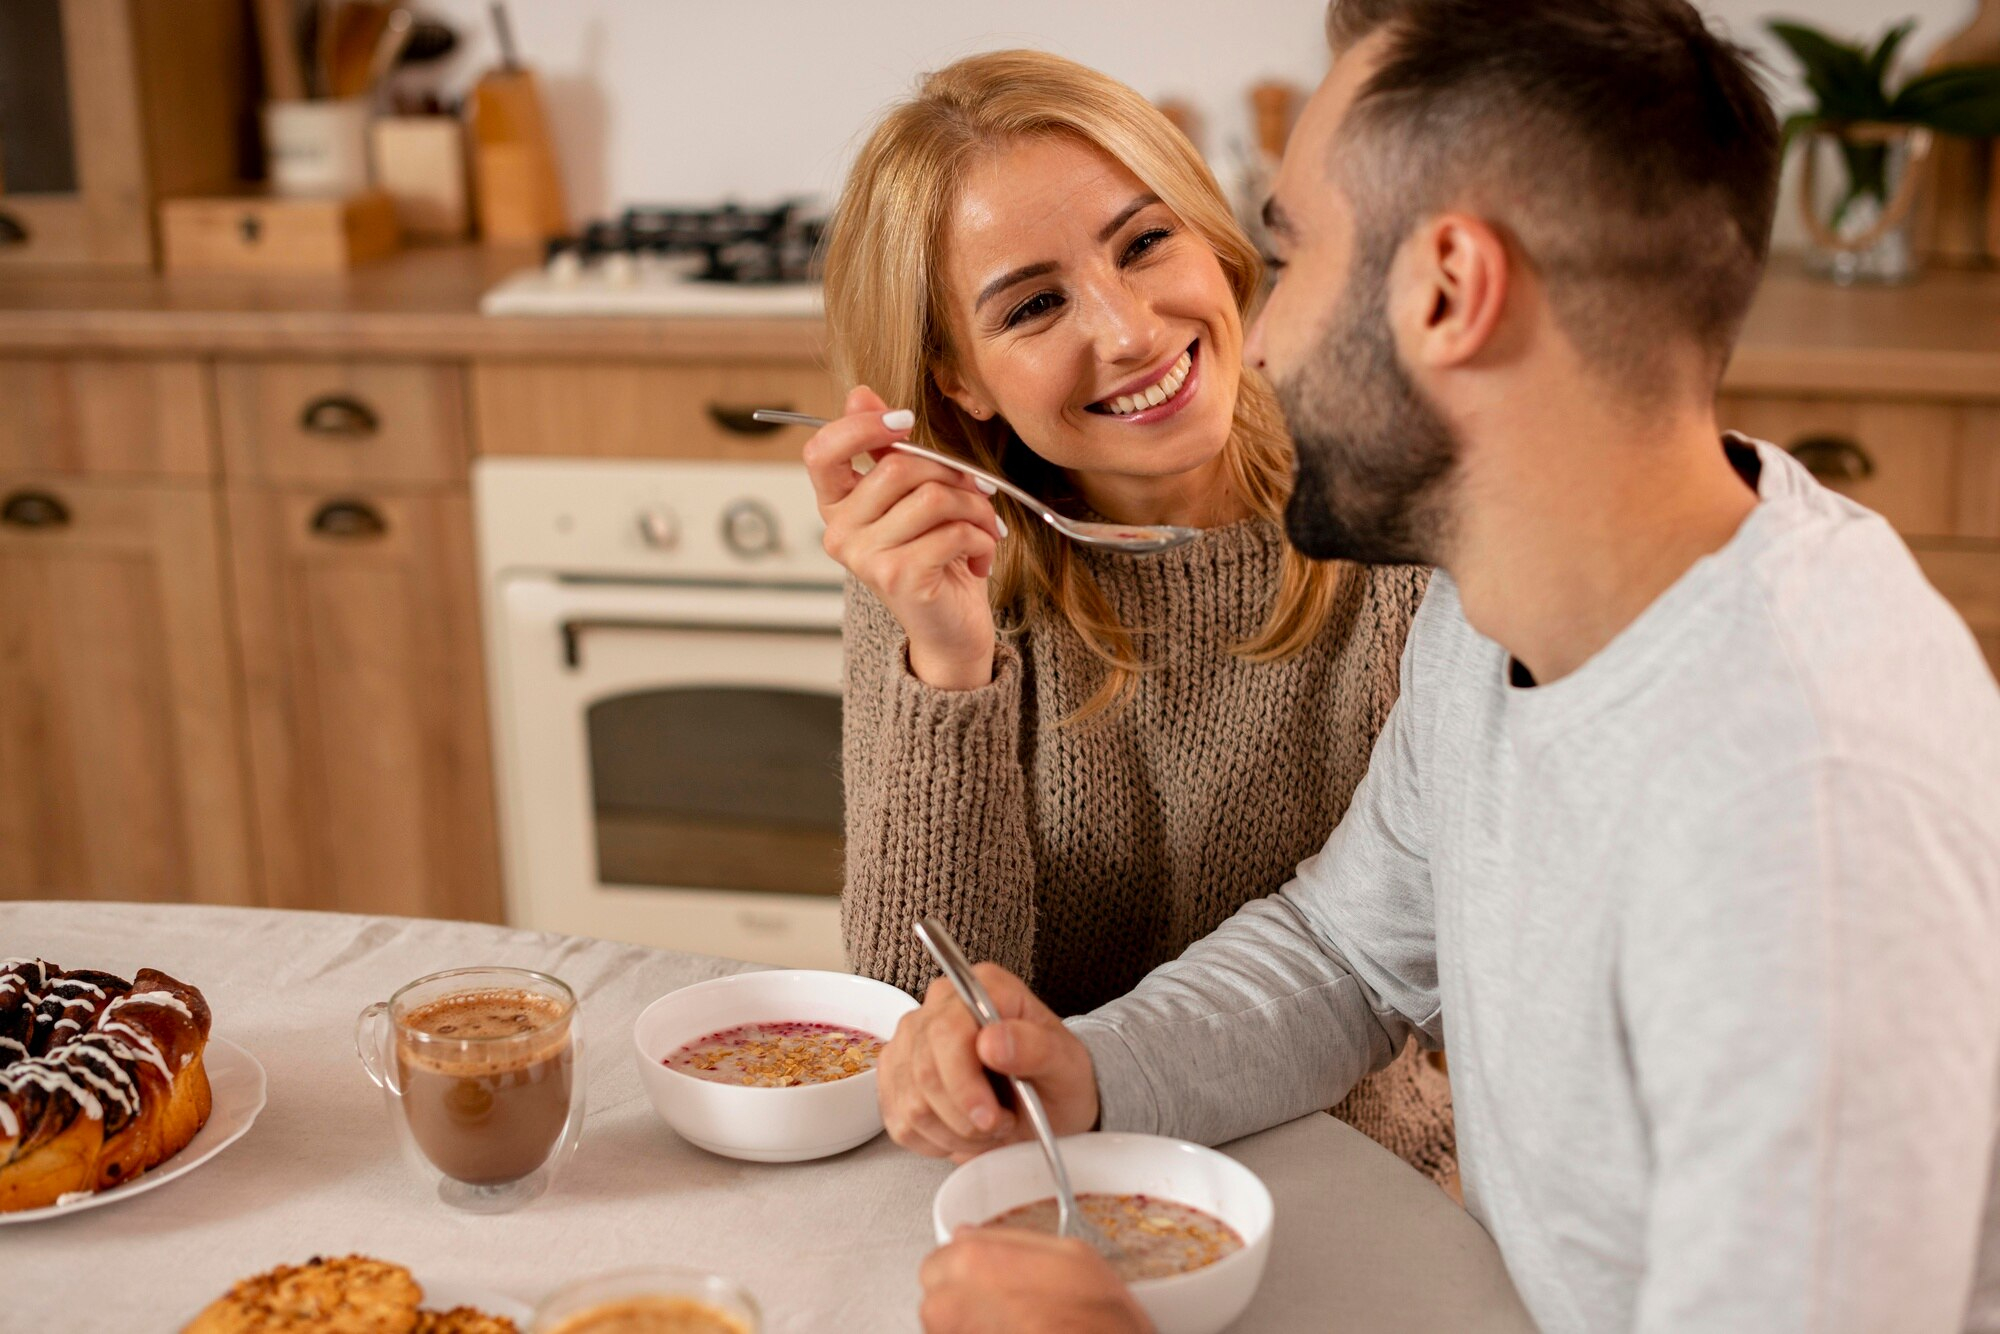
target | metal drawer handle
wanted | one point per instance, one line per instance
(1833, 458)
(34, 509)
(739, 421)
(348, 520)
(340, 415)
(12, 232)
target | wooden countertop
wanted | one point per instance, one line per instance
(1939, 337)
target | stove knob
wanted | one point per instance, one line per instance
(565, 268)
(659, 529)
(750, 529)
(619, 269)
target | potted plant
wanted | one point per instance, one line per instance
(1865, 146)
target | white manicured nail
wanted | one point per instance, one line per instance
(986, 488)
(1003, 524)
(902, 419)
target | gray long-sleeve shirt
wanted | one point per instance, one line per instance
(1711, 927)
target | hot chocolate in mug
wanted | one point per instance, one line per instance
(482, 1069)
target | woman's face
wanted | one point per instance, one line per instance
(1088, 315)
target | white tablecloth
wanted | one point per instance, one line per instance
(1362, 1241)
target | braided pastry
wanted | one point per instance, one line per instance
(100, 1078)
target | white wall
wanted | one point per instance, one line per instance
(678, 101)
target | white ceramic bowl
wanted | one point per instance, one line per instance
(1203, 1301)
(766, 1125)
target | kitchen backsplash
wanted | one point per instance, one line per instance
(674, 100)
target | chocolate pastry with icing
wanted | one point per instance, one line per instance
(100, 1078)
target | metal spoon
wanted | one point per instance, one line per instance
(1070, 1221)
(1135, 538)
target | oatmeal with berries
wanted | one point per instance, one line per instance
(1159, 1237)
(778, 1055)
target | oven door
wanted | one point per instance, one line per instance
(670, 761)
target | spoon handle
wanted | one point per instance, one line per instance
(1028, 498)
(943, 948)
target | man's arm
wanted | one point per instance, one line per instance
(1813, 1012)
(1290, 1002)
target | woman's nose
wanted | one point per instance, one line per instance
(1127, 328)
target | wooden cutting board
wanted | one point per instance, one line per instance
(1964, 209)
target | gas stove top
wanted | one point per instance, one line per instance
(675, 261)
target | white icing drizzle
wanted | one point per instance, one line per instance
(68, 1002)
(51, 1079)
(68, 1023)
(126, 1091)
(19, 1047)
(9, 1125)
(166, 998)
(79, 984)
(147, 1051)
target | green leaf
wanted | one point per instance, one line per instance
(1885, 51)
(1796, 124)
(1959, 99)
(1838, 73)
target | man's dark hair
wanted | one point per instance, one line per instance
(1630, 152)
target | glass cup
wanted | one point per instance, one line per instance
(633, 1301)
(483, 1071)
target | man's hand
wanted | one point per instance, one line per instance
(932, 1081)
(1003, 1280)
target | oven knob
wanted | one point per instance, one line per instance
(750, 529)
(659, 529)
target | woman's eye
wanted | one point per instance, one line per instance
(1273, 264)
(1041, 303)
(1145, 241)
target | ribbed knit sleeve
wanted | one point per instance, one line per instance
(936, 807)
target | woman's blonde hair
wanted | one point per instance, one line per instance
(889, 327)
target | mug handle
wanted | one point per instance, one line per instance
(370, 1034)
(572, 1134)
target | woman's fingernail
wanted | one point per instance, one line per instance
(902, 419)
(986, 488)
(983, 1117)
(1003, 524)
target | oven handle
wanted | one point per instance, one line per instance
(574, 629)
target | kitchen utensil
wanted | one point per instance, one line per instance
(943, 948)
(389, 46)
(284, 80)
(514, 159)
(356, 33)
(1137, 539)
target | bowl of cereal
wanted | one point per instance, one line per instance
(1194, 1224)
(773, 1067)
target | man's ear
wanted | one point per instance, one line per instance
(1456, 279)
(953, 386)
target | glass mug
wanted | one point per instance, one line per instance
(482, 1069)
(638, 1301)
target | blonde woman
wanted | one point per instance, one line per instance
(1082, 761)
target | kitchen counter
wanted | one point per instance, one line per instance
(1362, 1241)
(1939, 337)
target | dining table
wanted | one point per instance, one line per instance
(1361, 1241)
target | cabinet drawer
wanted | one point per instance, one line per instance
(1969, 578)
(109, 417)
(698, 411)
(349, 422)
(1931, 469)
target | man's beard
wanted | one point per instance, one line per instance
(1374, 458)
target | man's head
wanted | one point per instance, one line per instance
(1478, 188)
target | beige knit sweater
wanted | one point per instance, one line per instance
(1082, 857)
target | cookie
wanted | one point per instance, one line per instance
(349, 1295)
(463, 1320)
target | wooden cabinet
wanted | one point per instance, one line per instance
(632, 410)
(1929, 466)
(358, 617)
(372, 423)
(106, 416)
(121, 745)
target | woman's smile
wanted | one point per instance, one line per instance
(1158, 396)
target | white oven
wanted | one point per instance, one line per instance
(664, 655)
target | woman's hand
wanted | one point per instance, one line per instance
(919, 535)
(931, 1077)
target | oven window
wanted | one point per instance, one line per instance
(718, 788)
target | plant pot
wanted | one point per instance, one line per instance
(1858, 191)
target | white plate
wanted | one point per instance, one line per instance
(444, 1296)
(236, 1084)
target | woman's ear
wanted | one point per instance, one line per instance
(954, 387)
